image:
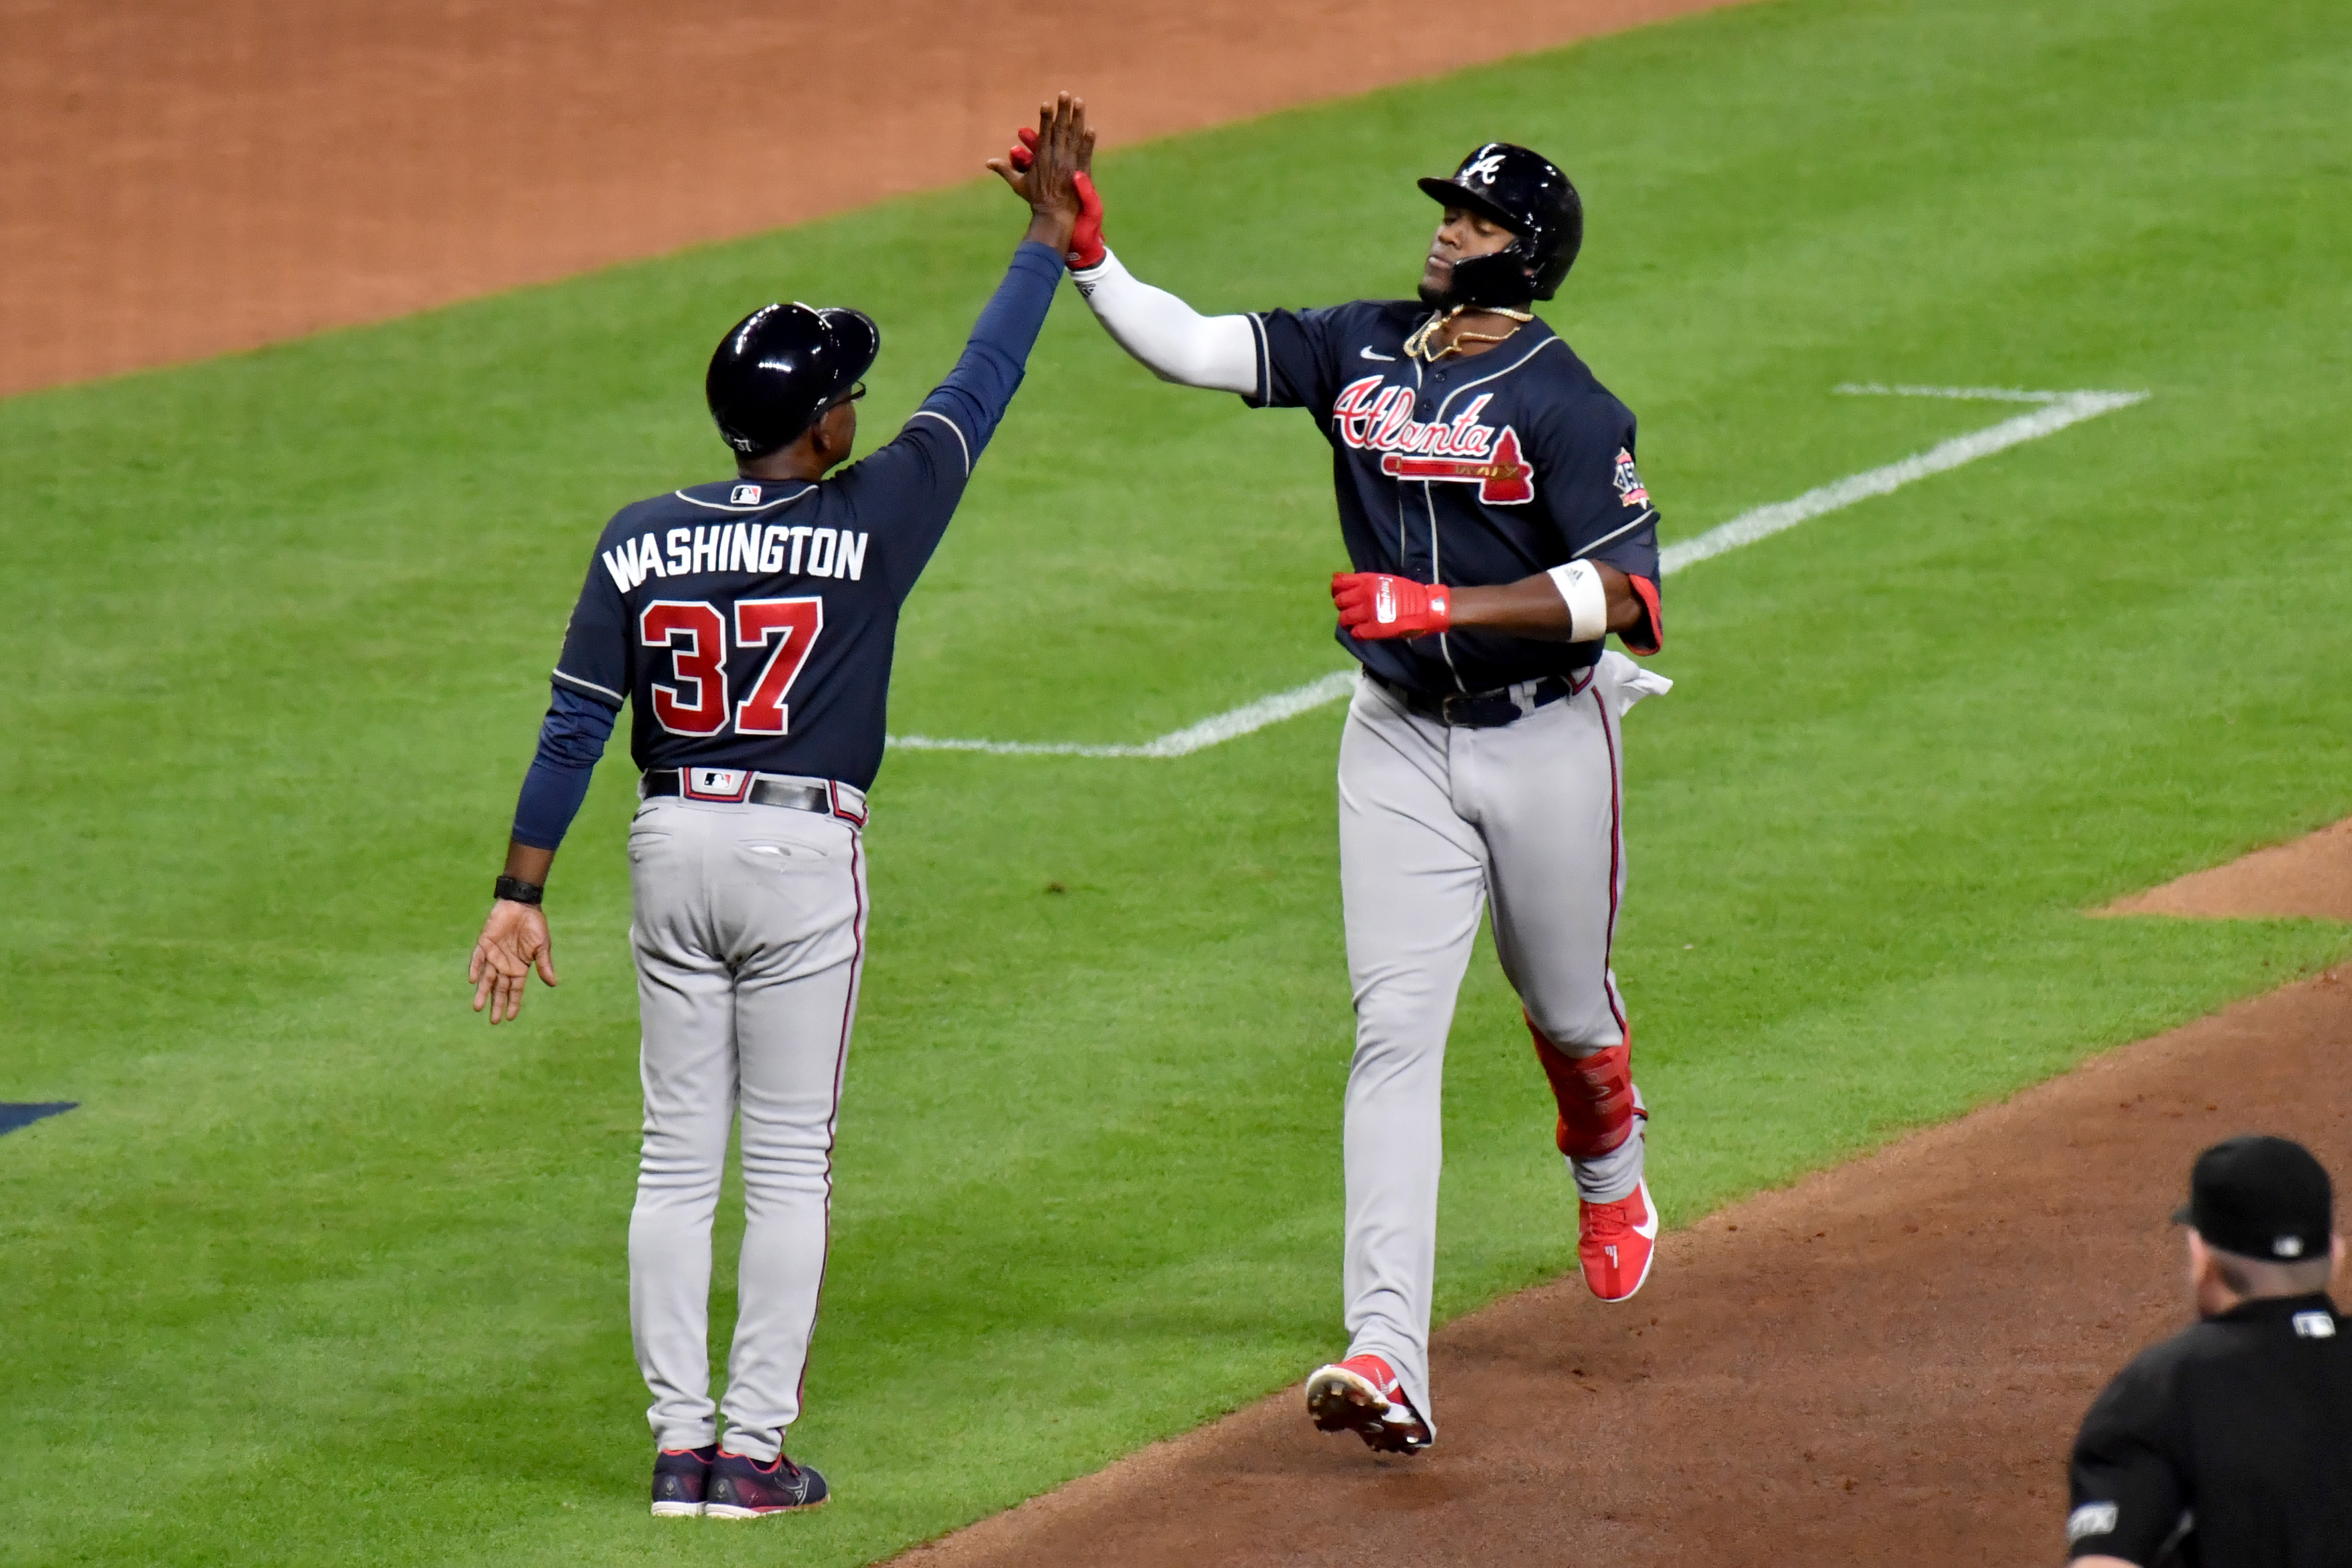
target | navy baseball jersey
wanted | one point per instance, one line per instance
(748, 623)
(751, 624)
(1472, 472)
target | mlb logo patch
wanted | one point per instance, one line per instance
(2313, 1325)
(1628, 480)
(744, 495)
(718, 783)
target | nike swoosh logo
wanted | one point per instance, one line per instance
(1366, 352)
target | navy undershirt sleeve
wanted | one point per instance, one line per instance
(911, 487)
(570, 740)
(979, 388)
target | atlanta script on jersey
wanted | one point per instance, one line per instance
(1471, 472)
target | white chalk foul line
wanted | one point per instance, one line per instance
(1223, 726)
(1964, 394)
(2069, 408)
(2057, 410)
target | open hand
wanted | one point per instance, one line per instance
(514, 942)
(1044, 167)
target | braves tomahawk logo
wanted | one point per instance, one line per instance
(1485, 167)
(1371, 416)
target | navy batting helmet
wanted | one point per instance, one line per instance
(781, 366)
(1527, 193)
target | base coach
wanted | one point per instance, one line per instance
(2229, 1445)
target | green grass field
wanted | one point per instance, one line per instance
(325, 1271)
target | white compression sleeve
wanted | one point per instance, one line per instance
(1587, 598)
(1176, 342)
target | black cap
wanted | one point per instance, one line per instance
(781, 366)
(2261, 1198)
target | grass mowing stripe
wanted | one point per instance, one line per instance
(1761, 523)
(282, 625)
(1231, 724)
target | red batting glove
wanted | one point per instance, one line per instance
(1087, 247)
(1373, 604)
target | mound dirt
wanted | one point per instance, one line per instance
(2310, 878)
(1884, 1362)
(185, 177)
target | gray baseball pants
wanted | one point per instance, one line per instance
(1434, 822)
(749, 935)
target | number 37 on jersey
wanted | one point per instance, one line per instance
(694, 633)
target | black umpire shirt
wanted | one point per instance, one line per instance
(2228, 1446)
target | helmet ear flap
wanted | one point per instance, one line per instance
(1499, 280)
(1555, 266)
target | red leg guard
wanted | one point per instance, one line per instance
(1595, 1094)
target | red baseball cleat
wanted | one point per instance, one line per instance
(1616, 1242)
(1361, 1395)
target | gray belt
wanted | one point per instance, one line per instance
(826, 797)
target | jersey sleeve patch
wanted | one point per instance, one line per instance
(1631, 492)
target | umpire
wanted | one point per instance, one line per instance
(2229, 1445)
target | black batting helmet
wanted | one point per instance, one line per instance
(1527, 193)
(781, 366)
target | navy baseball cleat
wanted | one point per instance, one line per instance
(680, 1474)
(746, 1488)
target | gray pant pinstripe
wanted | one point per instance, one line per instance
(1433, 823)
(749, 935)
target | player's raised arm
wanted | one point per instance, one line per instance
(1174, 341)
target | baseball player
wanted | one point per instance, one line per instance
(748, 623)
(1500, 529)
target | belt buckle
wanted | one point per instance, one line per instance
(729, 784)
(1445, 707)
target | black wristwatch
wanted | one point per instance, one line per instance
(514, 889)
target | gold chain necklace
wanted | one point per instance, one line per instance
(1417, 346)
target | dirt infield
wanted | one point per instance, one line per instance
(185, 177)
(2310, 878)
(1882, 1363)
